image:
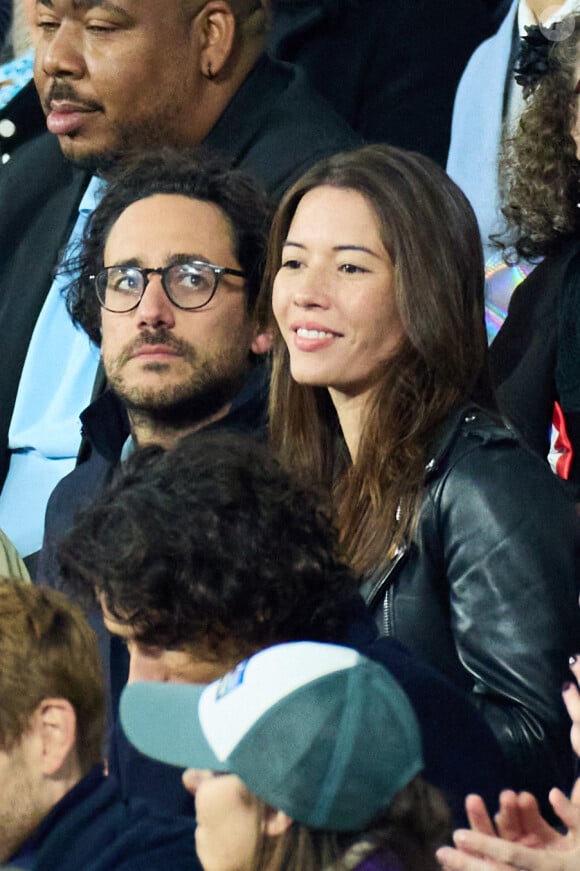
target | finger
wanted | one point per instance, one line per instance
(575, 797)
(536, 831)
(507, 819)
(478, 815)
(506, 853)
(455, 860)
(571, 697)
(568, 812)
(574, 663)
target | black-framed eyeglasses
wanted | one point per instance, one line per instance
(188, 286)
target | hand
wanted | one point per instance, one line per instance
(571, 697)
(477, 851)
(518, 819)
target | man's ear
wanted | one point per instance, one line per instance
(56, 723)
(215, 32)
(262, 342)
(275, 822)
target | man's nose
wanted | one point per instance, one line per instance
(155, 309)
(60, 51)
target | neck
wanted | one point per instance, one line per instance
(30, 809)
(150, 430)
(351, 413)
(216, 94)
(539, 7)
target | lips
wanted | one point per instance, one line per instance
(148, 350)
(313, 336)
(64, 119)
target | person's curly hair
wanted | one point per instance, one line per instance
(211, 548)
(193, 172)
(539, 169)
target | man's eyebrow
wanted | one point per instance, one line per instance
(169, 260)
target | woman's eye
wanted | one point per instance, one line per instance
(291, 264)
(351, 269)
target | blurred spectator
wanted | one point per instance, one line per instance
(5, 20)
(535, 359)
(57, 807)
(489, 103)
(390, 68)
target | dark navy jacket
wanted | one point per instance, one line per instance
(92, 828)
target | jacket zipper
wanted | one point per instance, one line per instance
(379, 586)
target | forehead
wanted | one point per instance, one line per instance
(337, 215)
(166, 224)
(123, 7)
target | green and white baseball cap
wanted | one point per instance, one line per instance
(316, 730)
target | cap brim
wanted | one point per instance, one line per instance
(162, 721)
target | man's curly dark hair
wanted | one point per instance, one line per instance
(211, 547)
(193, 172)
(540, 172)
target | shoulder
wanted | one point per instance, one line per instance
(467, 428)
(284, 126)
(482, 465)
(102, 831)
(496, 49)
(38, 180)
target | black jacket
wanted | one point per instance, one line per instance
(487, 590)
(534, 358)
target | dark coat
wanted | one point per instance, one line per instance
(390, 67)
(487, 591)
(92, 828)
(533, 363)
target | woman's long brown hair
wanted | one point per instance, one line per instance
(430, 233)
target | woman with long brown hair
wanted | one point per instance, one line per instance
(464, 540)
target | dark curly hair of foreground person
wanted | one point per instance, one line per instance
(210, 546)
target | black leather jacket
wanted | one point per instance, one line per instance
(487, 590)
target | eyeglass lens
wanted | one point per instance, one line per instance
(189, 285)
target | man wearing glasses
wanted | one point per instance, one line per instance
(169, 274)
(113, 78)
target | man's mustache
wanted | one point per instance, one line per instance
(64, 92)
(160, 337)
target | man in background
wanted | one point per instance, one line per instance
(57, 808)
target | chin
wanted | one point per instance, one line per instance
(88, 156)
(309, 379)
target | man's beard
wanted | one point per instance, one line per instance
(128, 140)
(125, 139)
(211, 386)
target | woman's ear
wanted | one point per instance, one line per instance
(275, 822)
